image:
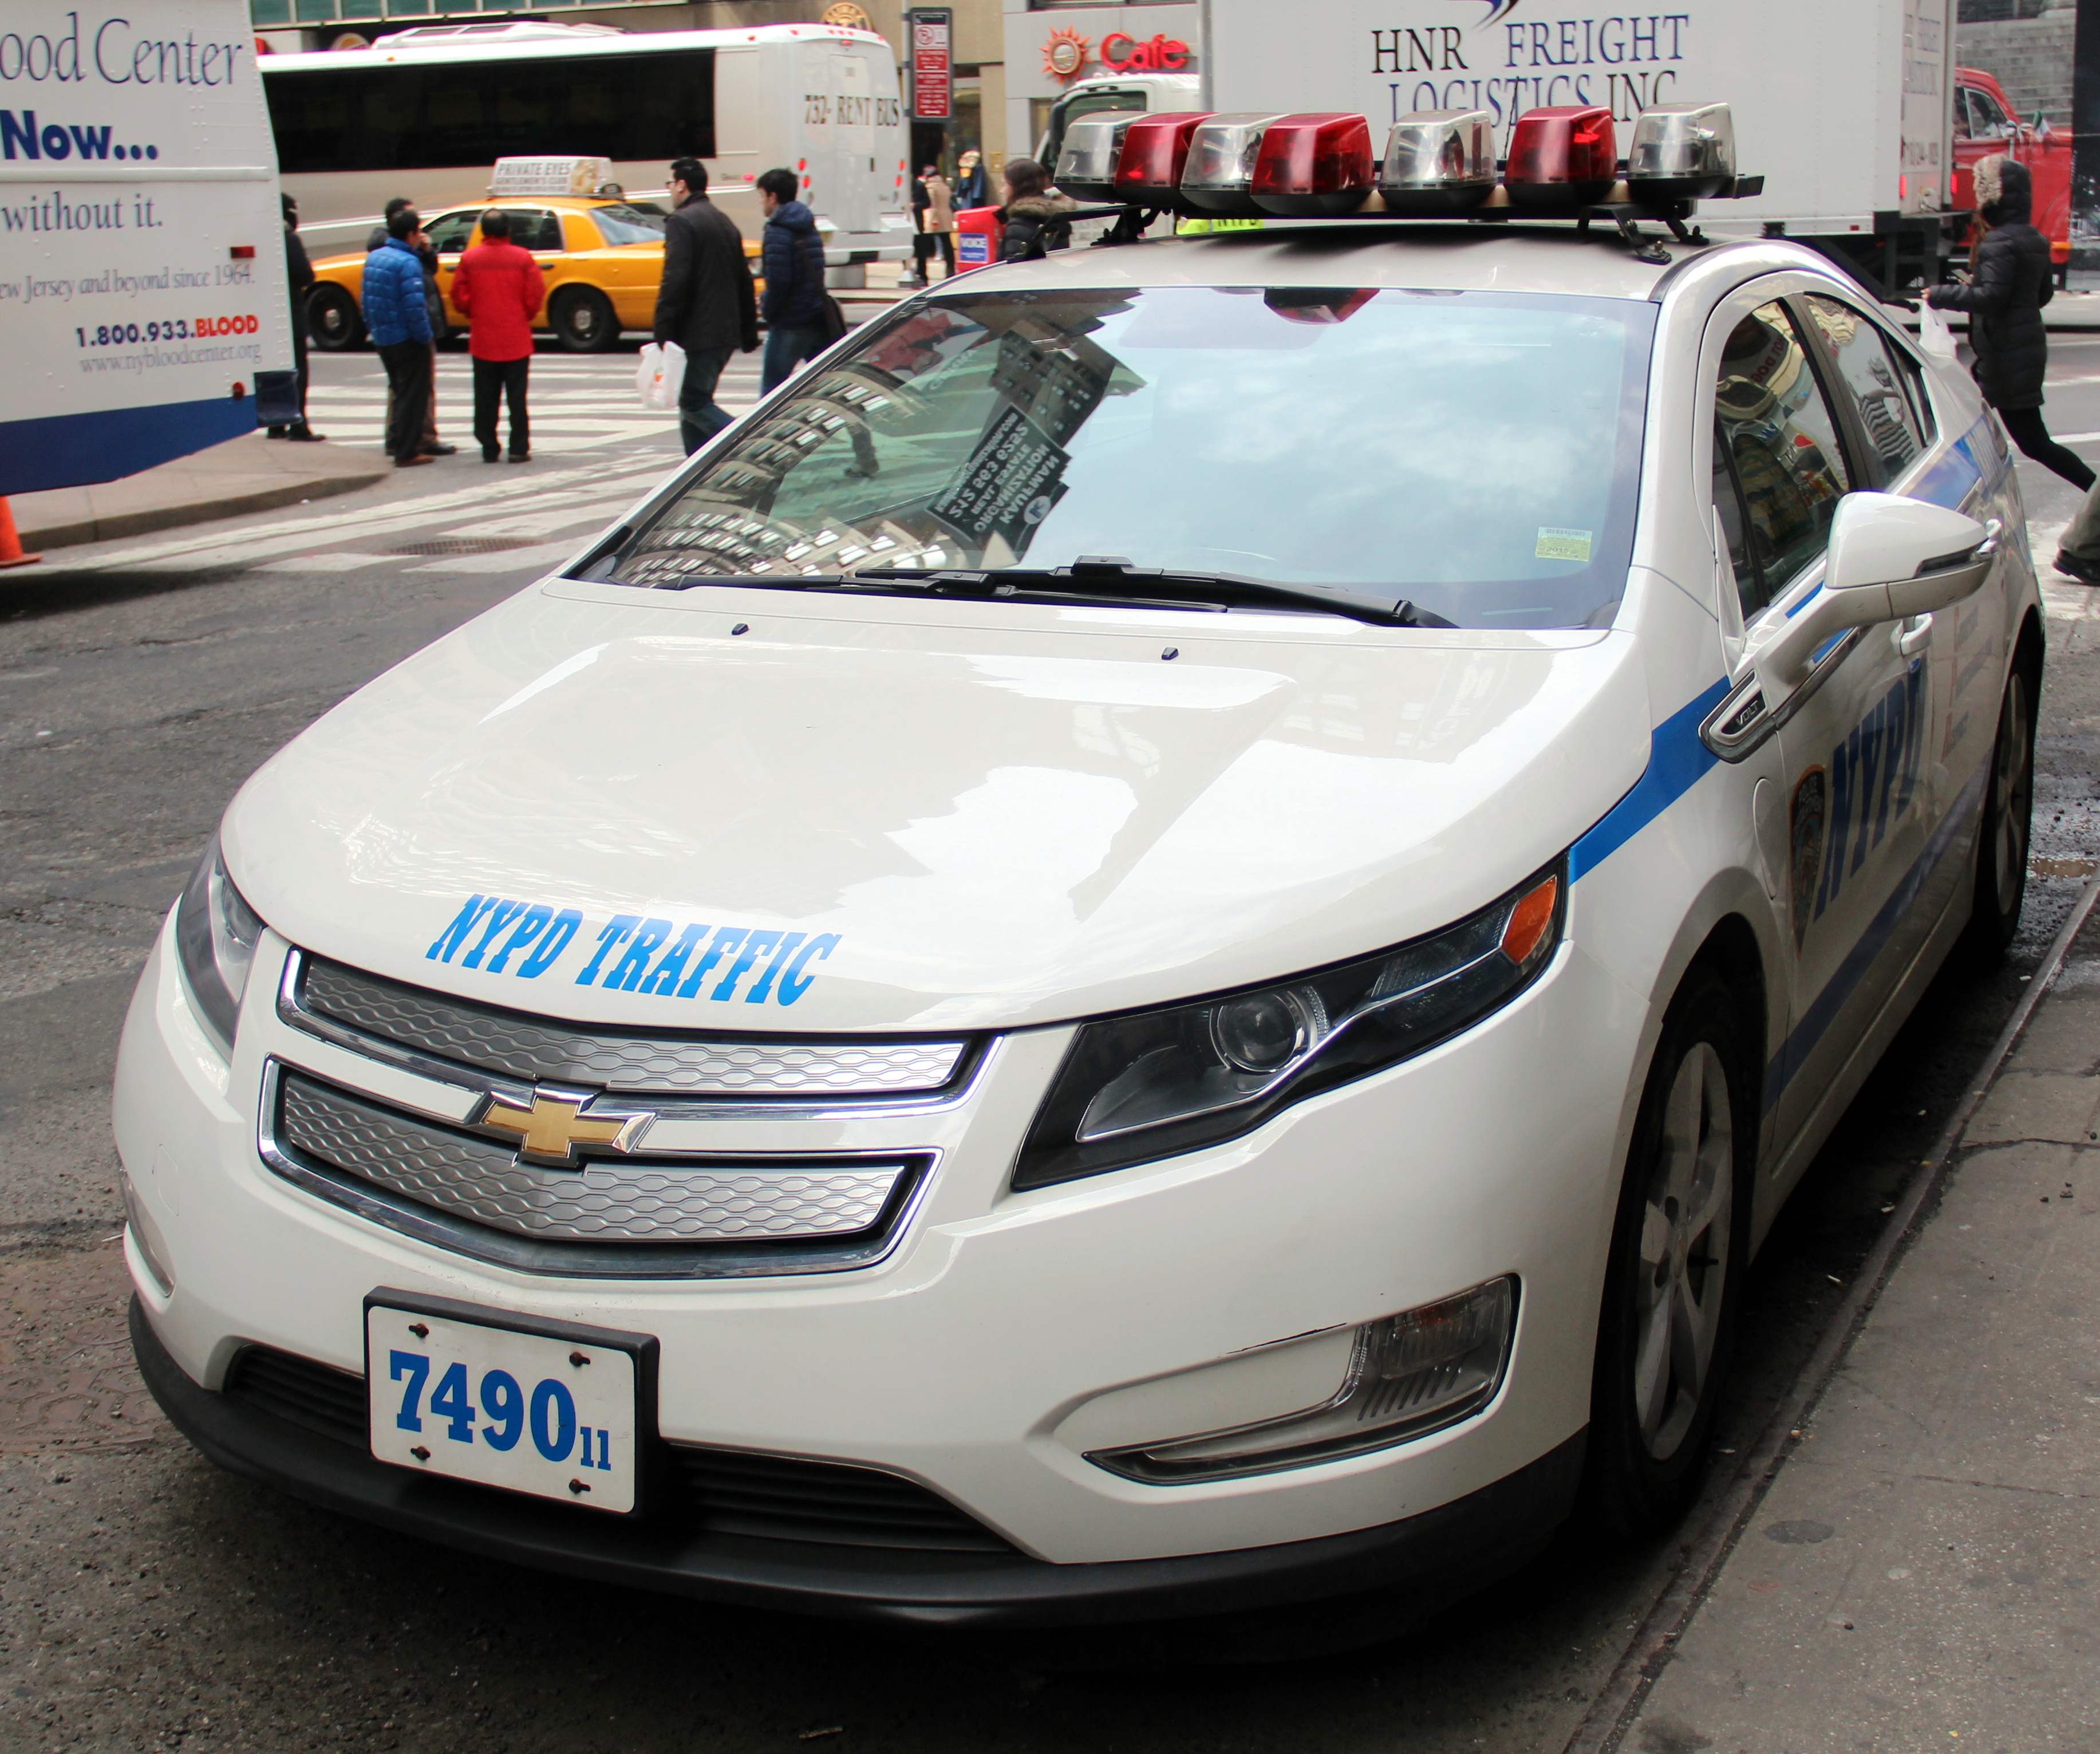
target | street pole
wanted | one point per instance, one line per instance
(1204, 87)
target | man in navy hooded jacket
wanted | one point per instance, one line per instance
(793, 302)
(398, 323)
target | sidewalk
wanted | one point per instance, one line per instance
(1925, 1570)
(247, 474)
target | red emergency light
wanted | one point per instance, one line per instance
(1155, 149)
(1316, 164)
(1561, 157)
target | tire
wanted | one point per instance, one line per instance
(1673, 1279)
(2002, 842)
(333, 320)
(582, 320)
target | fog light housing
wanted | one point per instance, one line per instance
(1409, 1375)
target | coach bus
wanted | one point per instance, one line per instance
(426, 111)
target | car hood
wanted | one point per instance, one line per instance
(906, 816)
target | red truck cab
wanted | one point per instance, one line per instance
(1985, 122)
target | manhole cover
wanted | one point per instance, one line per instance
(464, 545)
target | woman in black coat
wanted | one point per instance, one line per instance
(2003, 300)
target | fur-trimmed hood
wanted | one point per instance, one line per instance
(2005, 190)
(1054, 205)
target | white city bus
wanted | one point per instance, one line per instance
(425, 113)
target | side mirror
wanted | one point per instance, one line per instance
(1889, 557)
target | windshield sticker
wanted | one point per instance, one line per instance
(524, 939)
(1562, 545)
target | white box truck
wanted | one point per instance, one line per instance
(1843, 106)
(144, 310)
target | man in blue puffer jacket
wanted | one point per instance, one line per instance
(399, 322)
(793, 304)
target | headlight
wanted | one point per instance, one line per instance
(1160, 1082)
(216, 932)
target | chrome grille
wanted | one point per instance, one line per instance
(508, 1044)
(627, 1201)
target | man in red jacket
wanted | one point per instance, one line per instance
(499, 287)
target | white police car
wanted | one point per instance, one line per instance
(1160, 941)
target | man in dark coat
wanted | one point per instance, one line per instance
(299, 278)
(793, 304)
(705, 301)
(2004, 299)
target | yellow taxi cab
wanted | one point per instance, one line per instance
(602, 258)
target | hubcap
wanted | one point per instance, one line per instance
(2014, 777)
(1688, 1207)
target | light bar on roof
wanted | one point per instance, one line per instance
(1155, 148)
(1219, 176)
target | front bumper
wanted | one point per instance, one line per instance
(1004, 1337)
(1434, 1557)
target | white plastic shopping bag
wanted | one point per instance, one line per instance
(1935, 340)
(660, 374)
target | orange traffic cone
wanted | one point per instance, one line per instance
(11, 544)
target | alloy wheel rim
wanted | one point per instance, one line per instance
(1687, 1212)
(2015, 779)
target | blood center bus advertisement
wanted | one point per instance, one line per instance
(143, 293)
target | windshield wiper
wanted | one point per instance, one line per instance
(1094, 576)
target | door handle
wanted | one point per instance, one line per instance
(1913, 635)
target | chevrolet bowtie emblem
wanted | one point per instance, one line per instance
(551, 1129)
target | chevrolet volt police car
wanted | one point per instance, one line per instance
(1160, 941)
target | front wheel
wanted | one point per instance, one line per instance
(2001, 851)
(583, 321)
(1674, 1278)
(333, 319)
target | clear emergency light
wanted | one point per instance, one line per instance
(1219, 175)
(1562, 158)
(1682, 152)
(1092, 150)
(1317, 164)
(1438, 162)
(1155, 148)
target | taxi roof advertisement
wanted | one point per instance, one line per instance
(1842, 109)
(142, 256)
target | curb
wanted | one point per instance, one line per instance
(149, 518)
(1612, 1712)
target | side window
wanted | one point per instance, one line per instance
(1782, 442)
(1961, 128)
(535, 228)
(1863, 364)
(1734, 527)
(1986, 120)
(448, 233)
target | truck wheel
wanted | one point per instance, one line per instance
(582, 320)
(333, 320)
(2002, 848)
(1673, 1281)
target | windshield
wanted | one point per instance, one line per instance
(1476, 454)
(623, 224)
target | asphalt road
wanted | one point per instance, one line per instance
(149, 1601)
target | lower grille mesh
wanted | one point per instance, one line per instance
(720, 1491)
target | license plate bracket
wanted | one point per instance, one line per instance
(551, 1409)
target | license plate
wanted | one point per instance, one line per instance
(549, 1408)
